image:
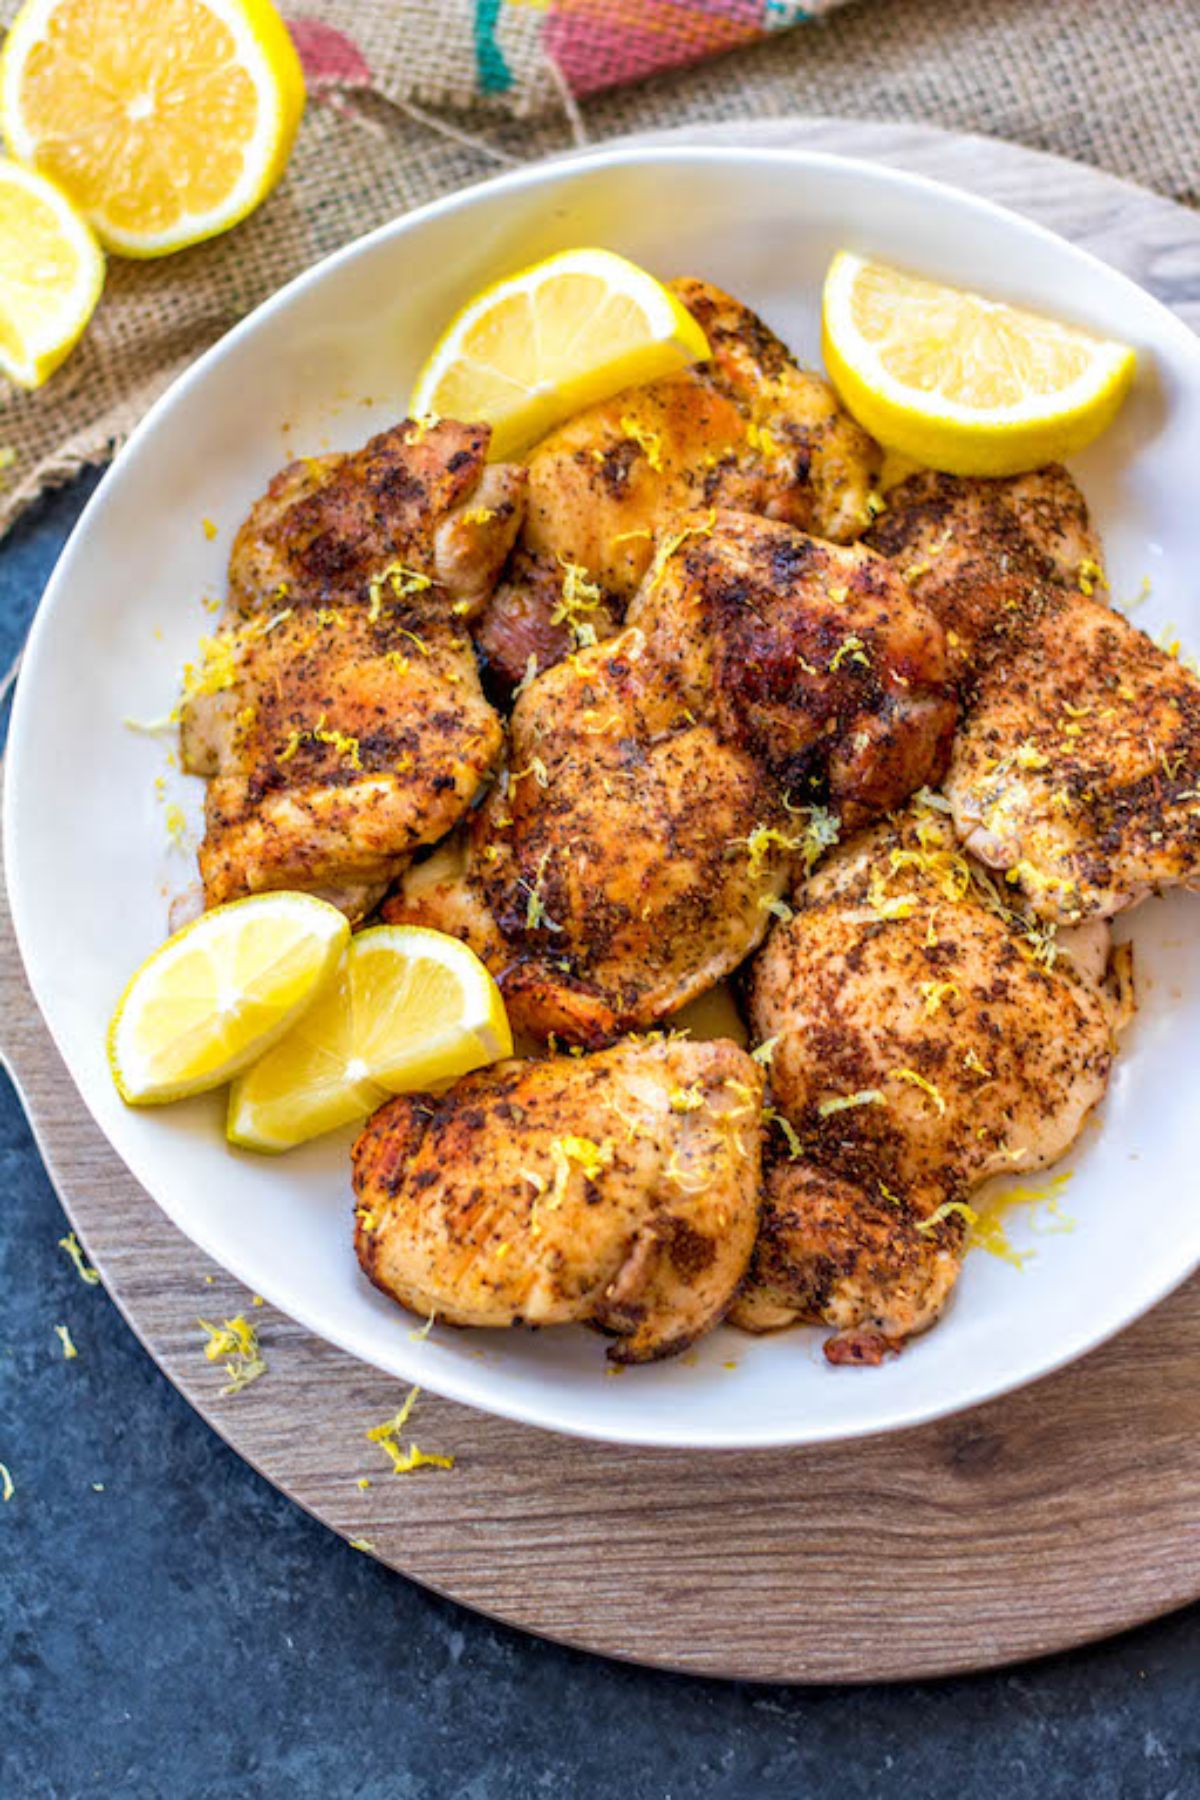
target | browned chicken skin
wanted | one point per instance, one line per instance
(613, 874)
(749, 430)
(1076, 770)
(921, 1044)
(987, 557)
(811, 656)
(619, 1189)
(645, 829)
(339, 716)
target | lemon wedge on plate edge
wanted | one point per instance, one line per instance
(410, 1009)
(544, 343)
(959, 382)
(220, 992)
(163, 121)
(51, 274)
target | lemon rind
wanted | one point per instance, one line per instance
(269, 57)
(135, 1093)
(675, 341)
(65, 329)
(958, 439)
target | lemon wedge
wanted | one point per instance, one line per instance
(51, 274)
(538, 346)
(961, 383)
(164, 121)
(410, 1009)
(220, 992)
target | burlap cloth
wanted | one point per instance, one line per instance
(416, 97)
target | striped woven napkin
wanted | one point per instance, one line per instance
(407, 99)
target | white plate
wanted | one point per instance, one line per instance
(321, 365)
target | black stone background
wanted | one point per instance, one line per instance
(188, 1632)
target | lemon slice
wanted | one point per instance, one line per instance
(220, 992)
(411, 1009)
(164, 121)
(961, 383)
(51, 274)
(540, 345)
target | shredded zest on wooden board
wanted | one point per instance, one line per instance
(237, 1340)
(404, 1461)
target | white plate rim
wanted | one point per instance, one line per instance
(551, 172)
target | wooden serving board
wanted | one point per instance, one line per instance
(1059, 1514)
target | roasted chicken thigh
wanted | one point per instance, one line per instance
(748, 429)
(618, 1190)
(664, 782)
(1076, 770)
(924, 1038)
(338, 712)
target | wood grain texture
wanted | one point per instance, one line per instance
(1056, 1515)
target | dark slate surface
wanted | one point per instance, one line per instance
(187, 1632)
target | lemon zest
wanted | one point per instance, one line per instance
(648, 442)
(934, 993)
(405, 1461)
(403, 581)
(764, 1053)
(478, 515)
(900, 906)
(853, 647)
(8, 1486)
(63, 1333)
(361, 1543)
(843, 1102)
(422, 425)
(758, 844)
(535, 767)
(1143, 594)
(944, 1211)
(675, 540)
(531, 669)
(919, 1081)
(217, 669)
(820, 834)
(339, 741)
(84, 1270)
(238, 1340)
(587, 1155)
(683, 1100)
(536, 916)
(760, 438)
(972, 1062)
(989, 1231)
(771, 1116)
(1090, 576)
(579, 594)
(151, 727)
(779, 909)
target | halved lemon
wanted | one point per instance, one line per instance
(220, 992)
(538, 346)
(51, 274)
(410, 1009)
(962, 383)
(164, 121)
